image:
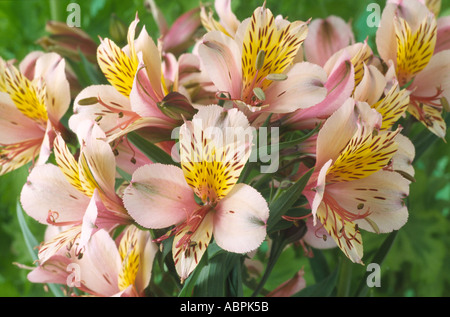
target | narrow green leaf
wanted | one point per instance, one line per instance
(319, 265)
(286, 200)
(30, 240)
(213, 277)
(345, 277)
(153, 152)
(377, 258)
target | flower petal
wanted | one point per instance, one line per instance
(240, 220)
(158, 196)
(214, 147)
(303, 88)
(47, 193)
(381, 194)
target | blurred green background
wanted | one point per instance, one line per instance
(418, 263)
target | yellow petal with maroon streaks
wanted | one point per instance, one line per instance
(117, 66)
(130, 256)
(392, 106)
(29, 97)
(414, 50)
(279, 45)
(364, 155)
(345, 233)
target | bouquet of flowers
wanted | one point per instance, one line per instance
(202, 155)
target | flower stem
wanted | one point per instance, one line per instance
(55, 6)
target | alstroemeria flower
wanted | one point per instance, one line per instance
(354, 187)
(214, 147)
(30, 109)
(78, 194)
(407, 38)
(257, 69)
(107, 267)
(141, 87)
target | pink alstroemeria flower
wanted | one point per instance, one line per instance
(354, 185)
(106, 268)
(407, 39)
(257, 69)
(214, 148)
(78, 194)
(144, 85)
(32, 102)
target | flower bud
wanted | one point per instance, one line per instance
(68, 41)
(176, 106)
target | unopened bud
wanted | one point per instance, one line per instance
(176, 106)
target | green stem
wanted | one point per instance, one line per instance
(55, 10)
(275, 252)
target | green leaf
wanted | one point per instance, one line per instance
(280, 205)
(319, 265)
(153, 152)
(378, 258)
(30, 240)
(212, 280)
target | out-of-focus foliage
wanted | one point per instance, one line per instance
(418, 262)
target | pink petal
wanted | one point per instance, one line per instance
(28, 64)
(159, 196)
(151, 58)
(240, 220)
(436, 75)
(53, 270)
(47, 144)
(14, 125)
(290, 287)
(371, 86)
(143, 96)
(443, 34)
(181, 34)
(381, 194)
(226, 16)
(47, 190)
(339, 85)
(319, 190)
(52, 67)
(100, 265)
(317, 237)
(221, 58)
(336, 132)
(326, 37)
(111, 103)
(303, 88)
